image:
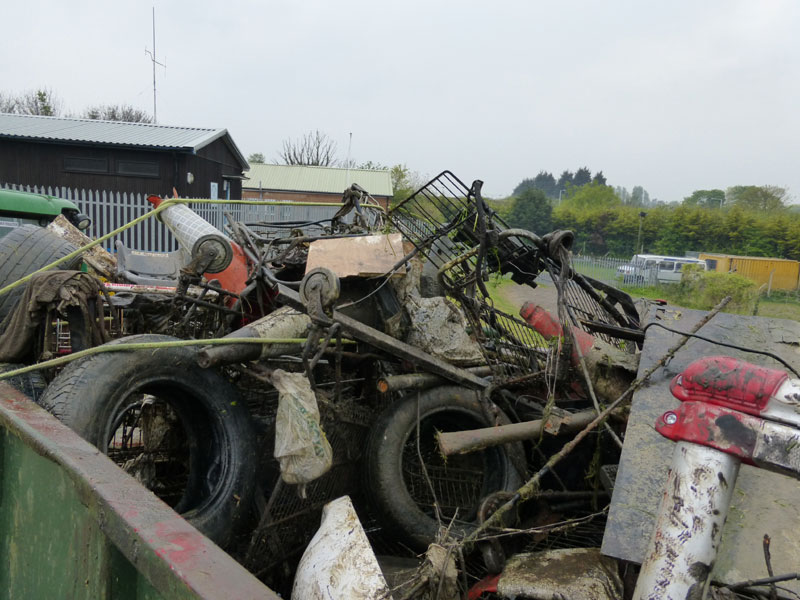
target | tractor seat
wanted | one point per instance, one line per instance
(148, 268)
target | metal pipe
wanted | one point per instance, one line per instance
(421, 381)
(393, 346)
(313, 238)
(689, 524)
(284, 322)
(462, 442)
(570, 494)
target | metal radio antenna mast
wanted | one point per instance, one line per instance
(155, 62)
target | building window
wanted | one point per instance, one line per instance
(139, 168)
(82, 164)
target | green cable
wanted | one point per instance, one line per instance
(61, 360)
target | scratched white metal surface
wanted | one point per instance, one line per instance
(693, 508)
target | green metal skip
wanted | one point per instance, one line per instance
(74, 525)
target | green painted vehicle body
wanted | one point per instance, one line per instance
(24, 208)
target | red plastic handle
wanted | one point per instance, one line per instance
(730, 382)
(724, 429)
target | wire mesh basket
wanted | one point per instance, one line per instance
(451, 225)
(442, 220)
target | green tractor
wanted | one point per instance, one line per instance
(26, 244)
(23, 208)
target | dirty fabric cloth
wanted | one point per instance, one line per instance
(436, 325)
(71, 295)
(301, 447)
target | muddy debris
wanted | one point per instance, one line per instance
(376, 391)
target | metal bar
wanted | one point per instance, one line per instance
(420, 381)
(393, 346)
(462, 442)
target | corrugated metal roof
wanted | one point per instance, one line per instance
(116, 133)
(331, 180)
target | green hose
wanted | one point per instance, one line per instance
(61, 360)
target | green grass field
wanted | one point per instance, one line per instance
(497, 288)
(787, 307)
(779, 309)
(779, 306)
(597, 272)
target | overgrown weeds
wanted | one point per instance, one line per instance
(702, 290)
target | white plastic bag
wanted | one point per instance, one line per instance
(301, 447)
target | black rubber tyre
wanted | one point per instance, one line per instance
(32, 384)
(181, 430)
(397, 487)
(24, 250)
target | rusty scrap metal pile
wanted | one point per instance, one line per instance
(283, 366)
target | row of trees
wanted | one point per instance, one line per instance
(746, 220)
(676, 230)
(556, 188)
(638, 196)
(752, 197)
(43, 102)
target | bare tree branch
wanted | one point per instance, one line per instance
(34, 102)
(117, 112)
(8, 103)
(314, 148)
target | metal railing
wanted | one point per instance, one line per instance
(602, 268)
(111, 210)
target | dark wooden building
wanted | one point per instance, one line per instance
(132, 158)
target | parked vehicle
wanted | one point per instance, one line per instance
(23, 208)
(650, 269)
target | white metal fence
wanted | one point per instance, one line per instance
(111, 210)
(603, 268)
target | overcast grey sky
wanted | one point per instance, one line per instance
(673, 96)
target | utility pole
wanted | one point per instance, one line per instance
(155, 62)
(642, 215)
(347, 173)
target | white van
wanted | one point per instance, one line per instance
(649, 269)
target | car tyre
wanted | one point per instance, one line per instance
(398, 491)
(204, 428)
(24, 250)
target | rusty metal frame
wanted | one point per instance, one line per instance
(385, 342)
